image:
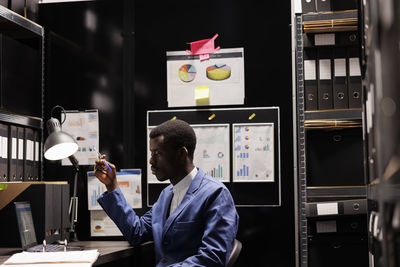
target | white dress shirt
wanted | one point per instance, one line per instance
(180, 189)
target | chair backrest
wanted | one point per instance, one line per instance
(237, 247)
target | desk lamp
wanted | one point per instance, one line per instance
(60, 145)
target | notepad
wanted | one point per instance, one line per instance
(86, 257)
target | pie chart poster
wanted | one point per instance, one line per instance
(223, 73)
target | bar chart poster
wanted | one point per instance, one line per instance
(212, 150)
(253, 157)
(129, 181)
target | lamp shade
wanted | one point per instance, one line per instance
(58, 145)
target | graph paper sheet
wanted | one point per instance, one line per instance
(212, 150)
(130, 182)
(211, 153)
(253, 152)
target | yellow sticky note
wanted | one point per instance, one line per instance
(3, 187)
(201, 93)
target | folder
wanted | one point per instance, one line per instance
(29, 149)
(340, 93)
(325, 78)
(354, 82)
(20, 153)
(3, 152)
(310, 80)
(308, 6)
(323, 5)
(349, 38)
(12, 153)
(37, 156)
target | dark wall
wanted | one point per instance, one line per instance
(83, 65)
(80, 59)
(262, 28)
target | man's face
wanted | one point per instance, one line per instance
(163, 159)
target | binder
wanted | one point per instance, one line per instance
(347, 38)
(354, 78)
(12, 153)
(310, 80)
(325, 78)
(37, 157)
(29, 149)
(308, 6)
(20, 153)
(323, 5)
(3, 152)
(340, 93)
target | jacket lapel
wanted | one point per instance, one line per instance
(189, 196)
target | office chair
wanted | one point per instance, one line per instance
(237, 247)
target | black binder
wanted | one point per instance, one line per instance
(325, 78)
(20, 153)
(354, 78)
(29, 149)
(308, 6)
(37, 157)
(12, 153)
(323, 5)
(310, 79)
(4, 152)
(340, 94)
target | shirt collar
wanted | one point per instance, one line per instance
(185, 182)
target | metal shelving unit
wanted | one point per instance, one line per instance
(353, 198)
(31, 34)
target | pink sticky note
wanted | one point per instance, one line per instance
(203, 47)
(204, 56)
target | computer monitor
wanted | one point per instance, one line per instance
(25, 224)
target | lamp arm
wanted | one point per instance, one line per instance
(74, 162)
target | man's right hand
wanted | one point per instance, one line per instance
(104, 175)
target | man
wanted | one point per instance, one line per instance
(194, 221)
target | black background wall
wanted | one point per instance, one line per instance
(119, 67)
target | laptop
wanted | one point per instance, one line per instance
(27, 230)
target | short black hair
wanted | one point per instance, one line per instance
(177, 133)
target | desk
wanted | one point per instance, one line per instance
(109, 252)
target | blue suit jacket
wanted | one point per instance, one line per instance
(200, 232)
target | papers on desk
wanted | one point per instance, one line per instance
(83, 258)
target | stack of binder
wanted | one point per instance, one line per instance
(19, 153)
(332, 77)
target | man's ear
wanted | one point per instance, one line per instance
(183, 152)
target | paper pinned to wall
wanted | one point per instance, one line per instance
(129, 181)
(102, 225)
(84, 128)
(253, 158)
(212, 150)
(223, 73)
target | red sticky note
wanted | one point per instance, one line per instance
(203, 47)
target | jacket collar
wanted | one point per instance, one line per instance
(194, 186)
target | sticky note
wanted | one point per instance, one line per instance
(3, 187)
(203, 47)
(201, 93)
(204, 56)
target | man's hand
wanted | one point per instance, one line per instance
(104, 175)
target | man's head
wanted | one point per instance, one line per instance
(172, 146)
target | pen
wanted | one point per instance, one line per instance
(99, 155)
(44, 245)
(65, 245)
